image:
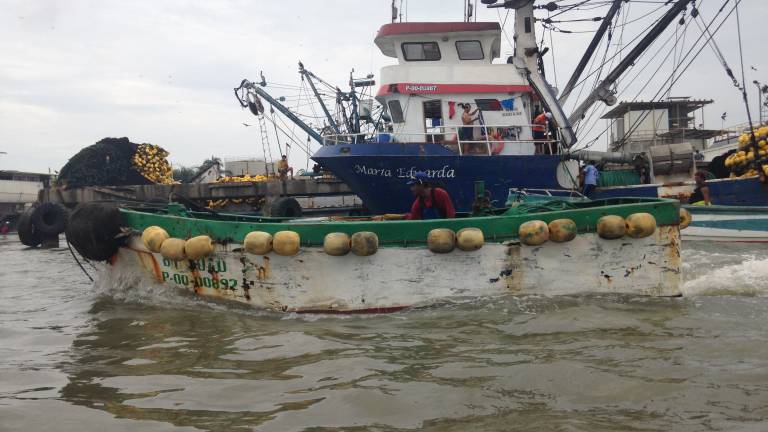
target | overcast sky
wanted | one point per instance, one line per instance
(162, 71)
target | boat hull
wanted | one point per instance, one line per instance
(399, 277)
(378, 173)
(727, 224)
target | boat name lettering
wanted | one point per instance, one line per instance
(420, 88)
(445, 172)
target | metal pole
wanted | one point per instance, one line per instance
(759, 100)
(607, 20)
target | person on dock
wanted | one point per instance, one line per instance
(431, 202)
(590, 179)
(283, 168)
(700, 195)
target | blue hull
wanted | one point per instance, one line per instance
(378, 172)
(748, 192)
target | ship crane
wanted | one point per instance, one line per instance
(527, 56)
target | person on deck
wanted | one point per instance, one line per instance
(431, 202)
(590, 179)
(283, 168)
(700, 195)
(468, 118)
(539, 128)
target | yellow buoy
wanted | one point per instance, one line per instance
(198, 247)
(441, 240)
(469, 239)
(685, 218)
(533, 233)
(611, 227)
(337, 244)
(286, 243)
(258, 242)
(173, 249)
(562, 230)
(153, 237)
(364, 243)
(640, 225)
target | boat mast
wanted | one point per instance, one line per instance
(254, 90)
(590, 50)
(526, 57)
(309, 75)
(602, 91)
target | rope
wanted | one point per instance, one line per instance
(77, 260)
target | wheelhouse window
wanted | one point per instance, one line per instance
(469, 50)
(395, 111)
(421, 51)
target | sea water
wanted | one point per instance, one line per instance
(79, 356)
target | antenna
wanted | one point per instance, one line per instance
(394, 11)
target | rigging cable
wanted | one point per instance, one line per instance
(694, 56)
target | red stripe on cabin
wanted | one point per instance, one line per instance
(413, 88)
(395, 29)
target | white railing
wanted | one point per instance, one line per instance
(450, 137)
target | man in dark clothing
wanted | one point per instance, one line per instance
(431, 202)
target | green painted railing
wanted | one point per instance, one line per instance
(233, 228)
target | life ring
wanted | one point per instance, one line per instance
(28, 235)
(50, 219)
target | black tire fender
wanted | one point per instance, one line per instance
(95, 229)
(285, 207)
(50, 219)
(28, 235)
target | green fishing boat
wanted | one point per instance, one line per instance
(622, 245)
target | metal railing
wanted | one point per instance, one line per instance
(450, 137)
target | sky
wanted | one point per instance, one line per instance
(162, 71)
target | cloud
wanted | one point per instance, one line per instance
(75, 71)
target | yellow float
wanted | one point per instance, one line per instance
(611, 227)
(198, 247)
(441, 240)
(685, 218)
(562, 230)
(364, 243)
(337, 244)
(640, 225)
(286, 243)
(153, 237)
(173, 249)
(469, 239)
(258, 242)
(533, 233)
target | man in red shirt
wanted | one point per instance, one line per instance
(431, 202)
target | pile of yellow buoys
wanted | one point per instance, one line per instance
(150, 161)
(157, 240)
(247, 178)
(748, 160)
(610, 227)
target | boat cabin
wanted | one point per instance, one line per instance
(442, 66)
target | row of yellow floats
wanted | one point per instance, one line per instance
(366, 243)
(610, 227)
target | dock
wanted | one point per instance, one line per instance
(312, 195)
